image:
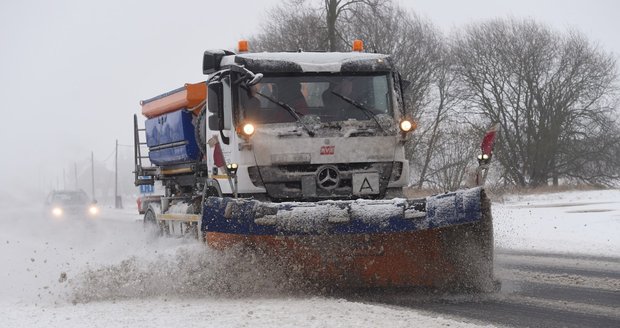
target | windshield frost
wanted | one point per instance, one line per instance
(316, 95)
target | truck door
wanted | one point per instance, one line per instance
(220, 142)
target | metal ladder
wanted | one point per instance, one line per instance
(143, 175)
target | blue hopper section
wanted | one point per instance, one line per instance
(170, 138)
(251, 217)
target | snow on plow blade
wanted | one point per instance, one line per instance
(250, 217)
(443, 241)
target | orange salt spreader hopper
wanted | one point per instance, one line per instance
(190, 96)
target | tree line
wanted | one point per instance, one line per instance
(553, 93)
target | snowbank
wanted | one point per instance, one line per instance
(582, 222)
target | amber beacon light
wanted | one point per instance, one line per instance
(243, 46)
(358, 45)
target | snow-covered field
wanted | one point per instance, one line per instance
(577, 222)
(109, 273)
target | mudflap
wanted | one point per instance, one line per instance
(438, 254)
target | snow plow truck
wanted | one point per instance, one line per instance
(301, 155)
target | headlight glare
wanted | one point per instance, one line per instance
(248, 129)
(407, 125)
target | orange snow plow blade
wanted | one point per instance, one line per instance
(399, 259)
(452, 257)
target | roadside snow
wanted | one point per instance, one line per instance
(37, 249)
(120, 277)
(578, 222)
(217, 312)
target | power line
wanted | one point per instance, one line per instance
(108, 157)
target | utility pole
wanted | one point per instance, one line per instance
(64, 180)
(76, 178)
(92, 173)
(117, 201)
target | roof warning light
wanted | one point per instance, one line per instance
(358, 45)
(243, 46)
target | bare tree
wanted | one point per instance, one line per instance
(297, 24)
(417, 49)
(291, 26)
(415, 44)
(550, 93)
(457, 146)
(335, 9)
(445, 98)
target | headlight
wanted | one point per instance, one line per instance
(93, 210)
(57, 211)
(232, 168)
(248, 129)
(407, 125)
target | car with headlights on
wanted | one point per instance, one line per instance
(70, 203)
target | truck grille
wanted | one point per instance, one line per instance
(308, 182)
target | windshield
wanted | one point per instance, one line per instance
(69, 198)
(320, 95)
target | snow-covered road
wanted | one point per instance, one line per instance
(120, 276)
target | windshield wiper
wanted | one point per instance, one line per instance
(289, 109)
(365, 110)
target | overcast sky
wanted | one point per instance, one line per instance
(72, 72)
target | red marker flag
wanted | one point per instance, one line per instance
(489, 140)
(218, 155)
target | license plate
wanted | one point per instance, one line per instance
(365, 184)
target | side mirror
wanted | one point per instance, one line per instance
(214, 123)
(209, 64)
(211, 60)
(216, 105)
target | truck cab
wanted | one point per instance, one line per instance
(297, 126)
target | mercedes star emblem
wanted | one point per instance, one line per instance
(328, 177)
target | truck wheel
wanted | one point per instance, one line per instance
(150, 223)
(200, 130)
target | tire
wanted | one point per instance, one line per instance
(200, 131)
(151, 225)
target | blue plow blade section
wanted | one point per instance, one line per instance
(251, 217)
